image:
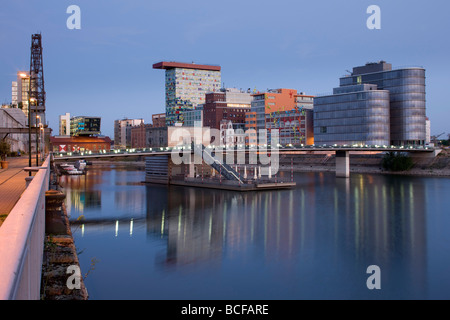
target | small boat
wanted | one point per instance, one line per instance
(73, 169)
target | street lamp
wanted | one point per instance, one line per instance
(41, 137)
(30, 100)
(37, 139)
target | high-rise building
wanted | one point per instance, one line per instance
(186, 85)
(20, 90)
(122, 132)
(406, 88)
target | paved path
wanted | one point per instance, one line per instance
(12, 184)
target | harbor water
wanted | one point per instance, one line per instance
(315, 241)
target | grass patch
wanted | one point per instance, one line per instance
(2, 218)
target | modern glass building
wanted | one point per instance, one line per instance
(85, 126)
(406, 87)
(357, 114)
(359, 104)
(192, 116)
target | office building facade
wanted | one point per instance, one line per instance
(406, 88)
(355, 114)
(294, 126)
(281, 109)
(20, 91)
(186, 85)
(159, 120)
(191, 117)
(122, 132)
(228, 104)
(85, 126)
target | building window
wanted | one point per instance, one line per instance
(323, 129)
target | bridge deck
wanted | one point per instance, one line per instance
(285, 150)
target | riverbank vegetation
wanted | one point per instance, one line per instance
(397, 161)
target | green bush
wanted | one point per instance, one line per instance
(5, 149)
(395, 161)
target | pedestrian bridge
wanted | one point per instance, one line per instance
(342, 152)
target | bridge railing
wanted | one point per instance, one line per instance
(22, 241)
(136, 152)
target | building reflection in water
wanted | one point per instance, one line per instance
(344, 223)
(80, 191)
(325, 226)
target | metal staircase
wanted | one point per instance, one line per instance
(222, 168)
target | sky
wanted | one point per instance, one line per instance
(105, 68)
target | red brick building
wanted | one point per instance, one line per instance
(227, 104)
(159, 120)
(79, 144)
(138, 135)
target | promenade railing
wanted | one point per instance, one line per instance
(22, 241)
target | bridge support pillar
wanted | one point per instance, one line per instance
(192, 167)
(342, 164)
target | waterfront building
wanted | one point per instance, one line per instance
(271, 101)
(228, 104)
(84, 126)
(169, 136)
(122, 132)
(64, 125)
(185, 87)
(138, 135)
(407, 104)
(357, 114)
(156, 137)
(294, 126)
(280, 107)
(80, 143)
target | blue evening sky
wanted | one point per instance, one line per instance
(105, 69)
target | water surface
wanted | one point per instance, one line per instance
(312, 242)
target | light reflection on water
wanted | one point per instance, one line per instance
(312, 242)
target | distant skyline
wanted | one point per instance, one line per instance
(105, 68)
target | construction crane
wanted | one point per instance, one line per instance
(37, 91)
(435, 138)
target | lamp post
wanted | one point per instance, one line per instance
(37, 139)
(41, 137)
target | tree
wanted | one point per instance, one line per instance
(5, 149)
(395, 161)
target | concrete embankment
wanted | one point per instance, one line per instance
(60, 279)
(368, 163)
